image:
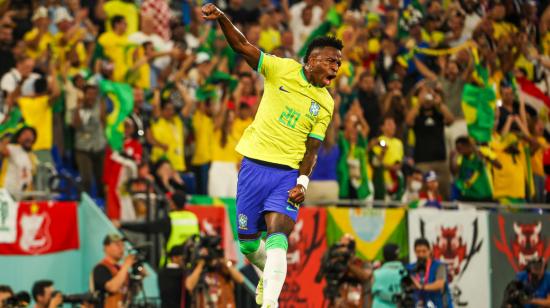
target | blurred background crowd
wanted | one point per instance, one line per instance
(436, 100)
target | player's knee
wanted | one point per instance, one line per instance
(249, 246)
(276, 240)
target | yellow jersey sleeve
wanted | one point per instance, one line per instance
(271, 66)
(320, 126)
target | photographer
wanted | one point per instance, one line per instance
(110, 278)
(43, 295)
(213, 277)
(5, 293)
(536, 282)
(386, 281)
(345, 274)
(171, 279)
(429, 277)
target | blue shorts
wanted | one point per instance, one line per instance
(263, 188)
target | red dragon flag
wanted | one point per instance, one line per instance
(42, 228)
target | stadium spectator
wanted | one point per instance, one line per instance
(388, 158)
(539, 146)
(352, 165)
(428, 119)
(89, 122)
(18, 162)
(414, 182)
(536, 276)
(166, 134)
(323, 185)
(472, 178)
(222, 177)
(114, 43)
(430, 196)
(369, 102)
(43, 295)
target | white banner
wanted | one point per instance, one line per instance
(8, 217)
(461, 240)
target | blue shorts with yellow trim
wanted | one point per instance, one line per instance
(263, 187)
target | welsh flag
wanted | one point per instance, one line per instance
(371, 228)
(122, 99)
(35, 228)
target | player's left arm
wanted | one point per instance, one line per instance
(298, 193)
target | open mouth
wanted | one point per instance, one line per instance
(328, 79)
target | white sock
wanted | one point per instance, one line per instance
(258, 257)
(274, 276)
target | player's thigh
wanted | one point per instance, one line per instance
(251, 194)
(280, 213)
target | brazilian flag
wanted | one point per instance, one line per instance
(479, 104)
(122, 99)
(12, 122)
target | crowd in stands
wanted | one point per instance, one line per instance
(435, 99)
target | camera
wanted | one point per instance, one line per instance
(406, 297)
(20, 299)
(334, 267)
(213, 245)
(140, 253)
(79, 298)
(516, 294)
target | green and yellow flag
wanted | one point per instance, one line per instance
(12, 122)
(122, 99)
(479, 104)
(371, 228)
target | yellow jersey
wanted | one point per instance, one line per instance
(290, 111)
(169, 132)
(117, 48)
(128, 10)
(203, 126)
(37, 113)
(225, 153)
(45, 41)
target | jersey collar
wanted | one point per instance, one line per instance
(303, 80)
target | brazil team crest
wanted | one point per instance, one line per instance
(314, 108)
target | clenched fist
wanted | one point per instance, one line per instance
(211, 12)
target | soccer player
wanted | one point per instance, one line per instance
(279, 148)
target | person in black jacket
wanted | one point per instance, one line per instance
(171, 278)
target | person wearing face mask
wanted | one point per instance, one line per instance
(19, 162)
(429, 277)
(414, 185)
(428, 119)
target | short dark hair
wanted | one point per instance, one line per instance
(40, 85)
(421, 242)
(321, 42)
(116, 19)
(21, 131)
(5, 289)
(463, 140)
(39, 287)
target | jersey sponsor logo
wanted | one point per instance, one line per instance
(283, 89)
(243, 222)
(314, 108)
(289, 117)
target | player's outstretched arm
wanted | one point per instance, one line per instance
(298, 193)
(234, 37)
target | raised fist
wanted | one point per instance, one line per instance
(211, 12)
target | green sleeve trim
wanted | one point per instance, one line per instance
(260, 61)
(318, 137)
